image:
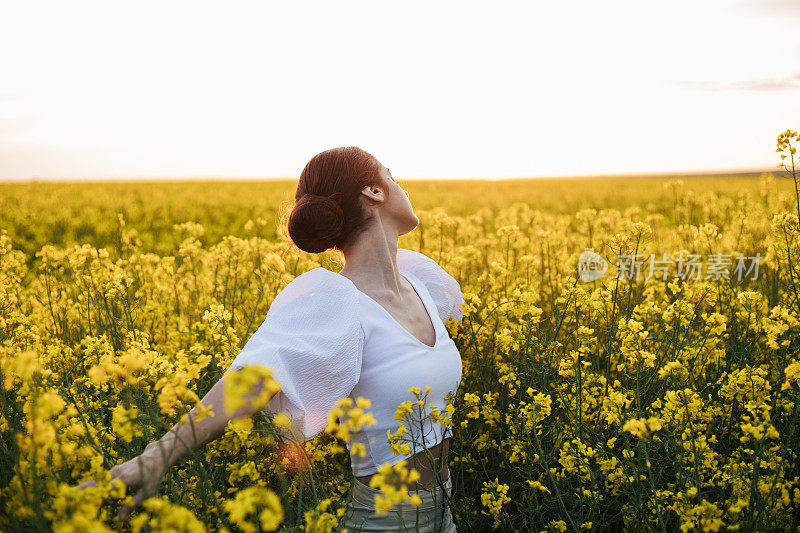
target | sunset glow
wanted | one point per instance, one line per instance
(445, 89)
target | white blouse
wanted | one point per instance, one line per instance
(324, 340)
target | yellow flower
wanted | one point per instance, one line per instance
(493, 497)
(392, 481)
(403, 410)
(248, 501)
(240, 383)
(641, 427)
(537, 485)
(163, 515)
(321, 521)
(123, 422)
(281, 420)
(352, 419)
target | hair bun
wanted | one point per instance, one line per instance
(316, 223)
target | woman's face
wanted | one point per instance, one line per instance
(396, 205)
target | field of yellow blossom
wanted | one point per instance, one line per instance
(631, 354)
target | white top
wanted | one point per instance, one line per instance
(324, 340)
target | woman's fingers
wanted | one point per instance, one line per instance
(117, 472)
(152, 471)
(124, 511)
(86, 484)
(143, 471)
(142, 494)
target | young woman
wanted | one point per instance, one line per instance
(374, 330)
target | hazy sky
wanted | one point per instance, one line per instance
(432, 89)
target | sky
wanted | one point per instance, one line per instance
(432, 89)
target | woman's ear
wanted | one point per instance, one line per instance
(375, 193)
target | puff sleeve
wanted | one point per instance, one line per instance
(312, 340)
(444, 289)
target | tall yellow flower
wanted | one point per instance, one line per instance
(248, 501)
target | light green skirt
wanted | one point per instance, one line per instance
(432, 515)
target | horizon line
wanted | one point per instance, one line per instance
(684, 173)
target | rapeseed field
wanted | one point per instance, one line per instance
(630, 347)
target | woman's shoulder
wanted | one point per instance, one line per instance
(419, 264)
(443, 288)
(318, 289)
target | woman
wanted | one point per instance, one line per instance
(373, 330)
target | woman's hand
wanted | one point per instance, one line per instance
(144, 471)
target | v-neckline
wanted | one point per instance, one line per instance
(409, 277)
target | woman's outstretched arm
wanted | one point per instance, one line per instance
(145, 470)
(186, 436)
